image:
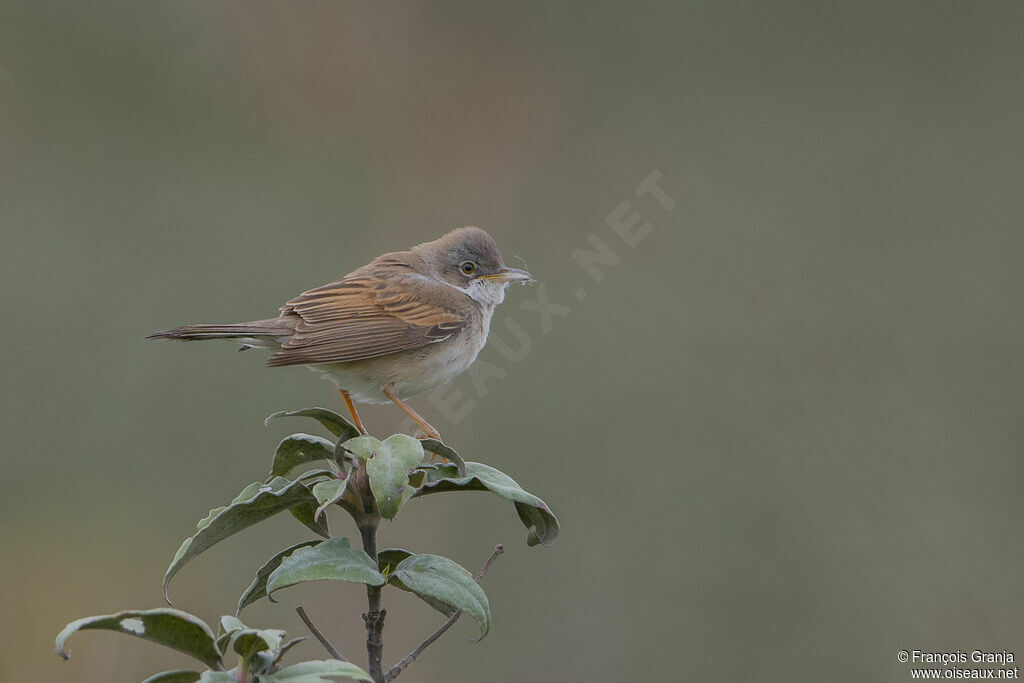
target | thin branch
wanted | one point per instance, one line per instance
(411, 657)
(498, 550)
(320, 636)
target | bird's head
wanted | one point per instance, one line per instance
(468, 259)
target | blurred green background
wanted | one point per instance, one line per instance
(783, 434)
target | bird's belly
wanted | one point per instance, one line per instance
(435, 367)
(408, 372)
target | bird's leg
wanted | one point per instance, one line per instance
(429, 432)
(352, 410)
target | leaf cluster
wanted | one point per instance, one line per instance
(368, 478)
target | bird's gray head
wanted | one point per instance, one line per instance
(468, 259)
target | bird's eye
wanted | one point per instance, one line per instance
(468, 267)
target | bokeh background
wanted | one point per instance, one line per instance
(783, 434)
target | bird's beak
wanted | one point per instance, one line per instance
(509, 275)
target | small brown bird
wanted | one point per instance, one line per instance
(400, 325)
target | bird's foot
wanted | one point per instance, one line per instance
(432, 434)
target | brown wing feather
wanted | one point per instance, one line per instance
(368, 314)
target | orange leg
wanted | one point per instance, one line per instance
(352, 410)
(429, 432)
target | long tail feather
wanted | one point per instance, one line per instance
(258, 328)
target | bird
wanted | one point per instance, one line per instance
(401, 325)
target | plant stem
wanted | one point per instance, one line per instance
(374, 616)
(368, 522)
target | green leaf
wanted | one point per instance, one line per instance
(389, 558)
(287, 646)
(249, 641)
(175, 629)
(228, 626)
(306, 513)
(325, 671)
(362, 446)
(219, 676)
(416, 478)
(441, 579)
(446, 452)
(328, 492)
(534, 512)
(256, 503)
(333, 559)
(258, 588)
(332, 422)
(258, 649)
(313, 477)
(440, 605)
(178, 676)
(299, 449)
(388, 463)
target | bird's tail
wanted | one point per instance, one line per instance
(258, 328)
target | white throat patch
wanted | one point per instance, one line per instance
(487, 293)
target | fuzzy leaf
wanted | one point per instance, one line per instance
(219, 677)
(249, 641)
(299, 449)
(258, 588)
(307, 514)
(257, 649)
(170, 627)
(328, 492)
(326, 671)
(416, 478)
(534, 512)
(441, 579)
(228, 626)
(332, 422)
(287, 646)
(389, 558)
(311, 477)
(440, 605)
(387, 464)
(333, 559)
(446, 452)
(178, 676)
(254, 504)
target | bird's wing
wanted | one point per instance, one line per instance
(365, 315)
